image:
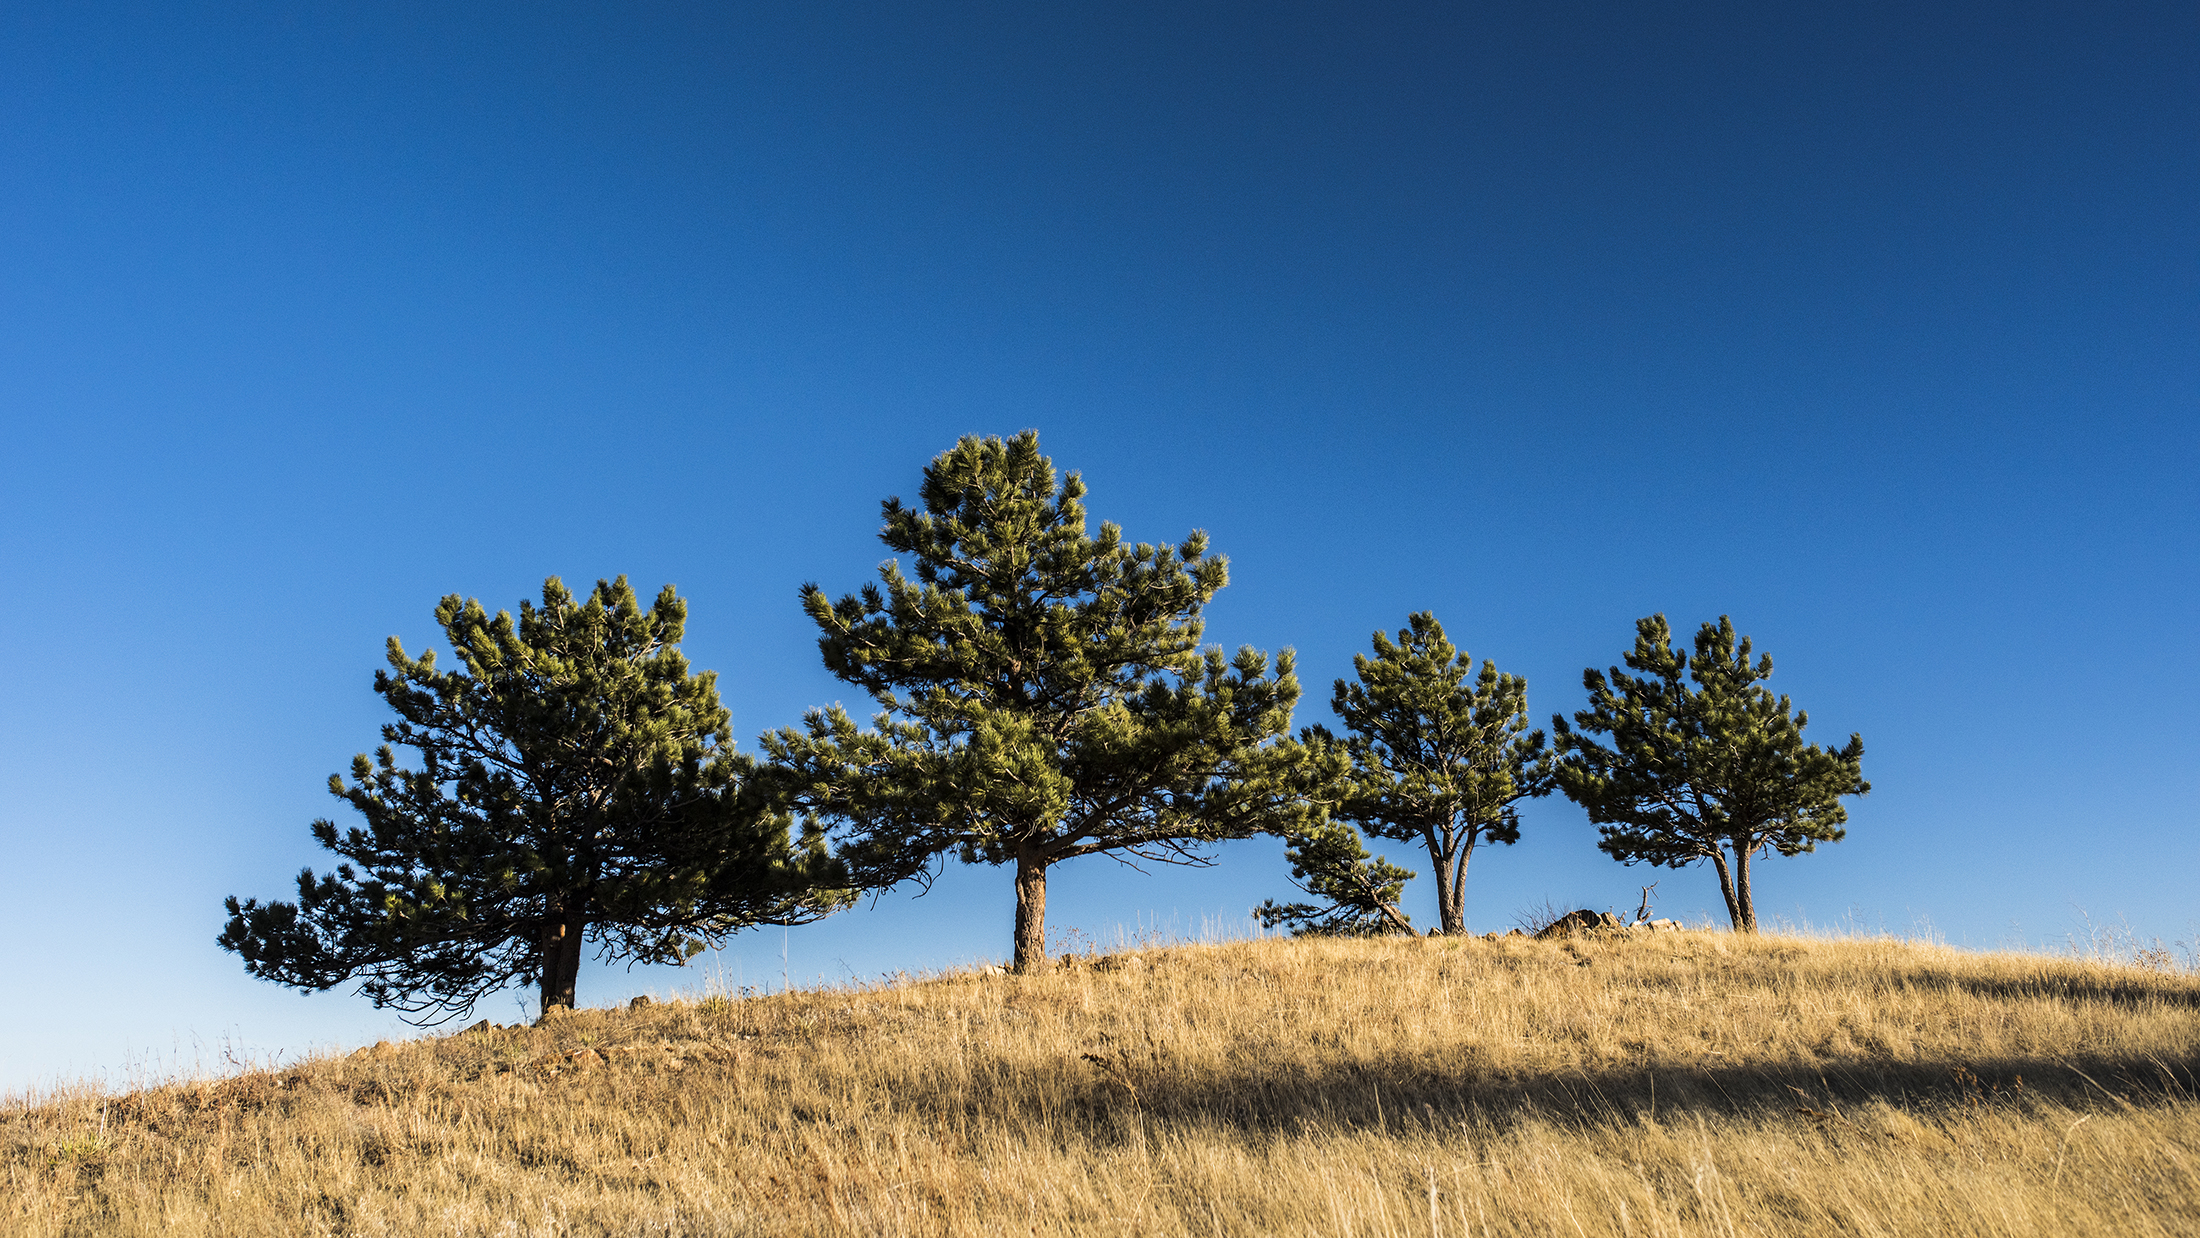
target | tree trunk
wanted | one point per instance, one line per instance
(1745, 920)
(1031, 910)
(1451, 890)
(1726, 888)
(1440, 860)
(561, 958)
(1397, 919)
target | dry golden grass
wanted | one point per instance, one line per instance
(1678, 1084)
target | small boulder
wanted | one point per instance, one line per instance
(1578, 922)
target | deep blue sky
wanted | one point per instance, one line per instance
(1876, 328)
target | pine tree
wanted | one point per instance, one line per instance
(572, 782)
(1359, 891)
(1437, 758)
(1043, 693)
(1717, 772)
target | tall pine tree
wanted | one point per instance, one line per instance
(1043, 693)
(573, 781)
(1440, 755)
(1717, 771)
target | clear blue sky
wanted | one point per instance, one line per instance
(1877, 328)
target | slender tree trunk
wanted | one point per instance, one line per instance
(561, 957)
(1746, 919)
(1031, 909)
(1398, 920)
(1726, 888)
(1396, 917)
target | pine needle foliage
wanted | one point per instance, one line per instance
(1359, 890)
(1441, 754)
(1716, 771)
(1043, 693)
(572, 781)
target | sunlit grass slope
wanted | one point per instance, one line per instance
(1687, 1083)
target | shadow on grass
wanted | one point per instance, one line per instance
(2135, 990)
(1400, 1094)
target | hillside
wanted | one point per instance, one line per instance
(1668, 1084)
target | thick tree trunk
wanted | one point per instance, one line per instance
(1726, 888)
(1031, 910)
(1451, 890)
(1446, 892)
(1745, 920)
(561, 958)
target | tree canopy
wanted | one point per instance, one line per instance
(1359, 891)
(1439, 755)
(1042, 692)
(1716, 771)
(572, 781)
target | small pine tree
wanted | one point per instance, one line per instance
(574, 781)
(1439, 755)
(1043, 693)
(1359, 890)
(1718, 771)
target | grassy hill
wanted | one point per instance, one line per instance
(1681, 1083)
